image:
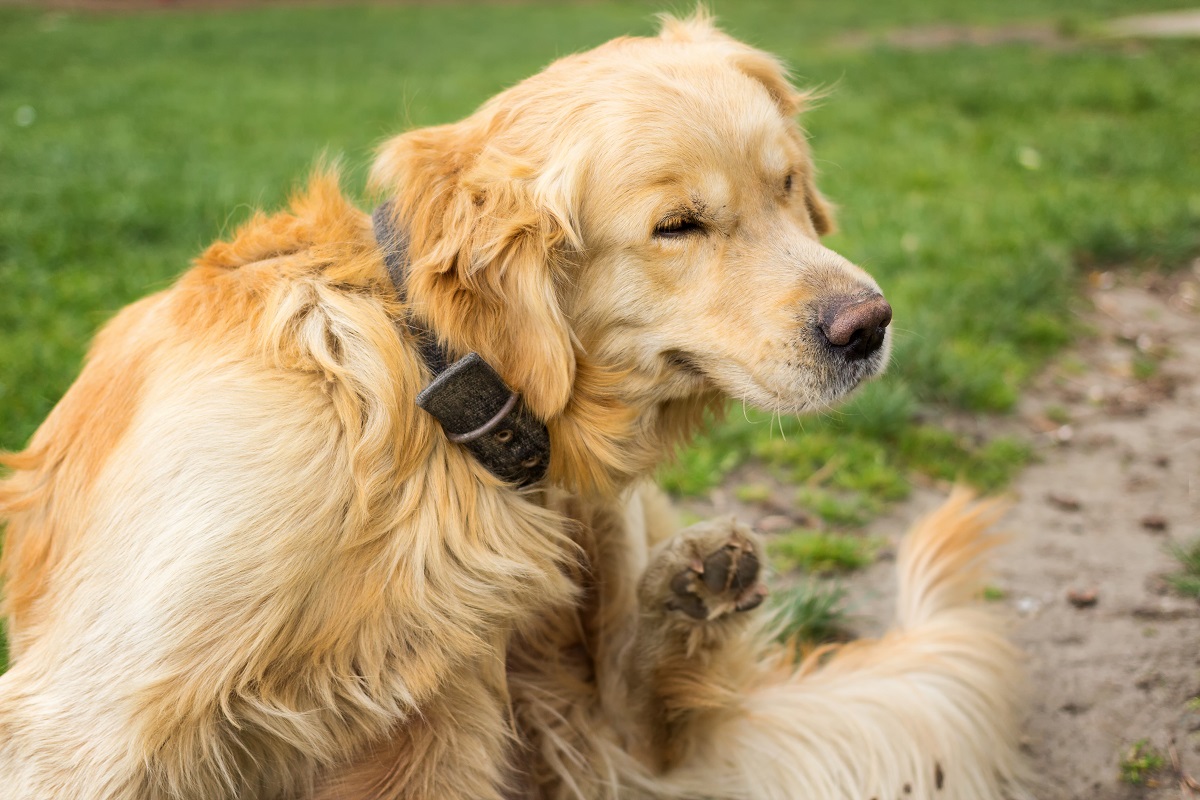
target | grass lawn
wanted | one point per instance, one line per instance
(976, 184)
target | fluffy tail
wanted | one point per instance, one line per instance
(941, 559)
(929, 711)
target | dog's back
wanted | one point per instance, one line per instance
(206, 537)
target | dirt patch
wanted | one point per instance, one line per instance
(1114, 656)
(1048, 35)
(1125, 411)
(1169, 25)
(943, 36)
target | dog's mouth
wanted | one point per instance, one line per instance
(831, 373)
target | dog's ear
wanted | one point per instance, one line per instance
(487, 252)
(820, 210)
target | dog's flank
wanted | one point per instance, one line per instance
(242, 564)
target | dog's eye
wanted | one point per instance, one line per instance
(787, 183)
(673, 227)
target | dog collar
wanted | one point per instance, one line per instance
(470, 400)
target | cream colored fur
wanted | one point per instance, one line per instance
(240, 563)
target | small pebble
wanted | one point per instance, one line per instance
(1154, 522)
(1082, 598)
(1064, 502)
(1027, 606)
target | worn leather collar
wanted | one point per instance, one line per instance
(468, 397)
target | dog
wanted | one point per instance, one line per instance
(258, 550)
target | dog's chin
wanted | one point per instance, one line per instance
(815, 387)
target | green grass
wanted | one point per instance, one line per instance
(974, 183)
(810, 614)
(1187, 580)
(1140, 763)
(865, 453)
(818, 552)
(994, 594)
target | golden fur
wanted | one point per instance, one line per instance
(240, 563)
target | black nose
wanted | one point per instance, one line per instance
(854, 326)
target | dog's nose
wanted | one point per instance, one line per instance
(854, 326)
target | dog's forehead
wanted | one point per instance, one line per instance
(658, 127)
(649, 88)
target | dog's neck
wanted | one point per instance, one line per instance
(467, 396)
(602, 445)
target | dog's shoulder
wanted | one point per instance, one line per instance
(321, 246)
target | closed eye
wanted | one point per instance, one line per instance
(675, 227)
(787, 183)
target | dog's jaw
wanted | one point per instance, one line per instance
(778, 387)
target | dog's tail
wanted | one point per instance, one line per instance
(927, 712)
(940, 562)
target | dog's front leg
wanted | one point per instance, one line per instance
(456, 748)
(685, 663)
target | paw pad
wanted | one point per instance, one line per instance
(724, 581)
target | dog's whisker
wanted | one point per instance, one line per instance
(745, 414)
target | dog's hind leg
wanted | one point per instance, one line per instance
(928, 711)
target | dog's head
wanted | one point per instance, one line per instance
(648, 207)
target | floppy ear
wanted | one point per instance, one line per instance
(820, 210)
(487, 255)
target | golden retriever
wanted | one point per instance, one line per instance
(241, 562)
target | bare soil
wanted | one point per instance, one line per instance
(942, 36)
(1167, 25)
(1183, 24)
(1118, 424)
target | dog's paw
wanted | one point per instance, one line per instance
(710, 570)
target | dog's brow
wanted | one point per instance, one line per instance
(777, 162)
